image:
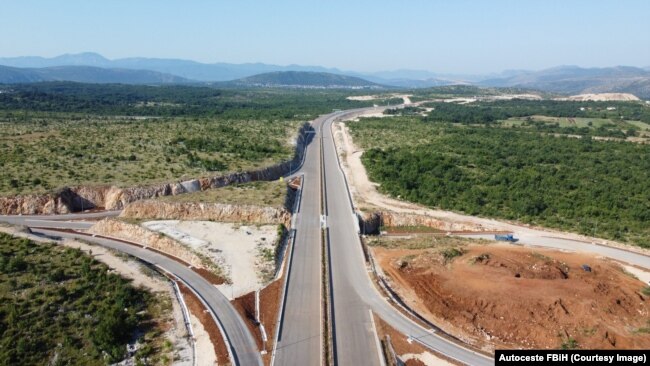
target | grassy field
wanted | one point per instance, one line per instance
(606, 127)
(60, 133)
(60, 306)
(422, 242)
(643, 126)
(599, 188)
(565, 122)
(271, 194)
(44, 151)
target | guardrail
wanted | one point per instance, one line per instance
(186, 318)
(224, 335)
(291, 241)
(382, 361)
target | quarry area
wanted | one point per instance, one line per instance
(500, 296)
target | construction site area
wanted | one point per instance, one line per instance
(501, 296)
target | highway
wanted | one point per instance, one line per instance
(352, 326)
(353, 294)
(299, 336)
(243, 347)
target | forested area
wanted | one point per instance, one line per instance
(598, 188)
(171, 101)
(491, 112)
(59, 306)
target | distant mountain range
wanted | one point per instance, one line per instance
(86, 74)
(197, 71)
(94, 68)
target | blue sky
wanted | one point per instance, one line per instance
(441, 36)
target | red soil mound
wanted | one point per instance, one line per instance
(496, 296)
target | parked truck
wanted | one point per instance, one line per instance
(506, 237)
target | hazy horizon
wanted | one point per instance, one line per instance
(339, 69)
(462, 37)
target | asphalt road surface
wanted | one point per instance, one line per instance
(67, 221)
(299, 336)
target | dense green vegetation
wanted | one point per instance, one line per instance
(272, 194)
(441, 243)
(47, 151)
(491, 112)
(58, 134)
(406, 111)
(602, 119)
(599, 188)
(175, 100)
(304, 78)
(59, 306)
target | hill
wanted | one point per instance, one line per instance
(184, 68)
(303, 79)
(577, 80)
(220, 71)
(563, 79)
(14, 75)
(86, 74)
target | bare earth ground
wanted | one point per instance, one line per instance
(210, 327)
(204, 349)
(515, 96)
(141, 276)
(405, 97)
(603, 97)
(367, 198)
(504, 296)
(235, 248)
(269, 308)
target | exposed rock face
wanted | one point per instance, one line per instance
(121, 230)
(157, 210)
(114, 198)
(370, 223)
(32, 204)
